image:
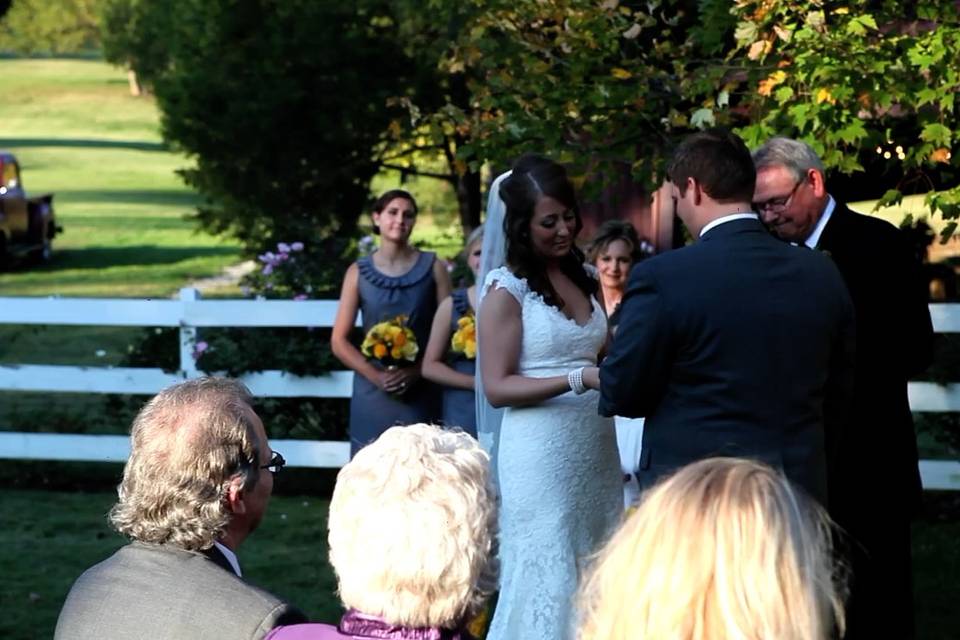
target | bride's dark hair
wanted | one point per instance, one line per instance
(532, 178)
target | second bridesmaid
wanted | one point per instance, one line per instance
(451, 356)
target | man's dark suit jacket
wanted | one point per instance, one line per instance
(732, 346)
(894, 342)
(163, 592)
(874, 480)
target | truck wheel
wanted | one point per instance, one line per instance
(44, 253)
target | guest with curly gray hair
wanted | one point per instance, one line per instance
(412, 538)
(196, 485)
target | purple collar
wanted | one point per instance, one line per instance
(359, 624)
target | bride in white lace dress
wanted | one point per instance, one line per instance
(541, 329)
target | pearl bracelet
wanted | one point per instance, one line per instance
(575, 380)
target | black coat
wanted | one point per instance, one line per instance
(877, 454)
(733, 346)
(874, 480)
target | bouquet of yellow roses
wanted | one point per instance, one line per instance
(464, 339)
(391, 342)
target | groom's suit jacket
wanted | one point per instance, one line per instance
(733, 346)
(163, 592)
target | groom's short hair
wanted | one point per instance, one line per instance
(718, 160)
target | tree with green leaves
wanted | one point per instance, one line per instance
(425, 139)
(871, 85)
(50, 26)
(281, 106)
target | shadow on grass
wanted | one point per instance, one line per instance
(93, 55)
(178, 197)
(81, 143)
(140, 255)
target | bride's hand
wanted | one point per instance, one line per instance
(591, 378)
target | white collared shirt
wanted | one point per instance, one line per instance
(729, 218)
(814, 237)
(231, 558)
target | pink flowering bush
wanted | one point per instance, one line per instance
(285, 272)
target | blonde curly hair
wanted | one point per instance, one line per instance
(724, 548)
(412, 527)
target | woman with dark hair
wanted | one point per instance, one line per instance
(541, 326)
(613, 251)
(396, 280)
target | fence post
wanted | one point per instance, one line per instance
(188, 337)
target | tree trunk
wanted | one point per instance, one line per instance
(468, 184)
(136, 89)
(468, 201)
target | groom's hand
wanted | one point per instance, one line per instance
(591, 378)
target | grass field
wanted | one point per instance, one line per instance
(79, 134)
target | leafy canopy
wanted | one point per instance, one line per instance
(607, 83)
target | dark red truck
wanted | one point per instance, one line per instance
(27, 224)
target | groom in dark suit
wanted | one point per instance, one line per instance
(874, 481)
(731, 346)
(196, 485)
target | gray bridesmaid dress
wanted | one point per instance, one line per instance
(382, 297)
(459, 405)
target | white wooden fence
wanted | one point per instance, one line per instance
(190, 313)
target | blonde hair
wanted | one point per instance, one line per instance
(412, 527)
(186, 445)
(723, 549)
(475, 236)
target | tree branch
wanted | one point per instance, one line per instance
(410, 151)
(417, 172)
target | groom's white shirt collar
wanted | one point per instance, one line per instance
(814, 238)
(231, 558)
(729, 218)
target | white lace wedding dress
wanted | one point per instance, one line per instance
(558, 475)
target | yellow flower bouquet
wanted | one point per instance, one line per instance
(391, 342)
(464, 339)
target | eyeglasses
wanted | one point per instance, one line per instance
(778, 204)
(276, 463)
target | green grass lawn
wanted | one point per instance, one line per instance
(49, 537)
(79, 134)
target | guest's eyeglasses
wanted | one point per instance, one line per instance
(777, 204)
(276, 463)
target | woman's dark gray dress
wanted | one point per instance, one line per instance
(459, 405)
(414, 294)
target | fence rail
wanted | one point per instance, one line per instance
(189, 313)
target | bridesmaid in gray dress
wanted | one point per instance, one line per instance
(397, 279)
(455, 371)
